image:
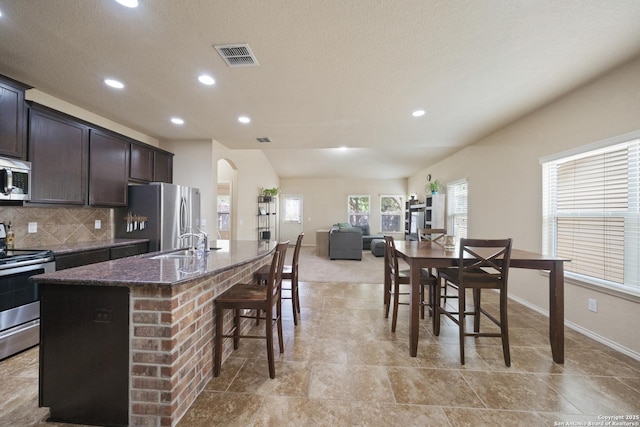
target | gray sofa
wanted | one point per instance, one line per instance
(367, 237)
(345, 242)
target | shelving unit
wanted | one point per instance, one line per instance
(267, 219)
(434, 211)
(429, 214)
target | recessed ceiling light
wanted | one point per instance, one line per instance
(343, 148)
(128, 3)
(177, 121)
(418, 113)
(244, 119)
(113, 83)
(206, 80)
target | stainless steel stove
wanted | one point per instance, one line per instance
(19, 298)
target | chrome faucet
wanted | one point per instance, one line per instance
(192, 247)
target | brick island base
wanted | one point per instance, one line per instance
(137, 353)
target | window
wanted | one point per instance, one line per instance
(292, 209)
(391, 214)
(359, 209)
(591, 206)
(457, 208)
(224, 203)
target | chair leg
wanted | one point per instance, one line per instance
(279, 326)
(461, 321)
(236, 329)
(297, 296)
(269, 334)
(294, 302)
(217, 353)
(396, 297)
(504, 327)
(387, 303)
(421, 301)
(437, 291)
(476, 309)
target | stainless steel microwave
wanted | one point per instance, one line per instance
(15, 179)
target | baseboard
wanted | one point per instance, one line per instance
(603, 340)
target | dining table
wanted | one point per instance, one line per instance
(425, 254)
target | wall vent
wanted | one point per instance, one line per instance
(263, 139)
(237, 55)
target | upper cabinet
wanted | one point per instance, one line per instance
(77, 163)
(141, 163)
(108, 169)
(150, 164)
(12, 119)
(163, 166)
(58, 149)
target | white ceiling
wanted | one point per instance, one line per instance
(332, 72)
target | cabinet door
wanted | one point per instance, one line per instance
(141, 163)
(58, 154)
(77, 259)
(12, 114)
(108, 170)
(163, 167)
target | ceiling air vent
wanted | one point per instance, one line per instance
(263, 139)
(237, 55)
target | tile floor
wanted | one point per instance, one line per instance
(343, 367)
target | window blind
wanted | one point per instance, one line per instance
(591, 214)
(457, 208)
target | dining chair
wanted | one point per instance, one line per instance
(290, 273)
(435, 235)
(397, 278)
(253, 297)
(482, 264)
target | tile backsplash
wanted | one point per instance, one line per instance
(57, 225)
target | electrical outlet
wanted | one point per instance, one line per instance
(97, 224)
(593, 305)
(33, 227)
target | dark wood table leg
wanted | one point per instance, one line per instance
(556, 311)
(414, 309)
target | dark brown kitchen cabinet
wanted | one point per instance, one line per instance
(77, 259)
(58, 153)
(12, 119)
(163, 167)
(108, 169)
(84, 354)
(141, 163)
(129, 250)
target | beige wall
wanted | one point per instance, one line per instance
(325, 200)
(505, 186)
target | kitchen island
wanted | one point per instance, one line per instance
(130, 341)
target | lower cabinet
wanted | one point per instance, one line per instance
(84, 354)
(92, 256)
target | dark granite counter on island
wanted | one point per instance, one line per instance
(130, 341)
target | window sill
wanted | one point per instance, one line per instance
(629, 295)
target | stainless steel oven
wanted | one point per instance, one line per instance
(19, 299)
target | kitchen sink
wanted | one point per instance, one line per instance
(181, 253)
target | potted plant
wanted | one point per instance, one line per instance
(268, 193)
(434, 186)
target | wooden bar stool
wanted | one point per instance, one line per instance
(253, 297)
(289, 272)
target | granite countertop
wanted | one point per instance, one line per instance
(148, 269)
(67, 248)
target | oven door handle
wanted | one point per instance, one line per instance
(20, 267)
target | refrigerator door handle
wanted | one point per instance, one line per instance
(183, 215)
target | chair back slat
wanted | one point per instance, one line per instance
(484, 261)
(391, 258)
(296, 255)
(431, 235)
(274, 283)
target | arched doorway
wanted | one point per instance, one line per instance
(227, 176)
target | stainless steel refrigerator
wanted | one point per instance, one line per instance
(159, 212)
